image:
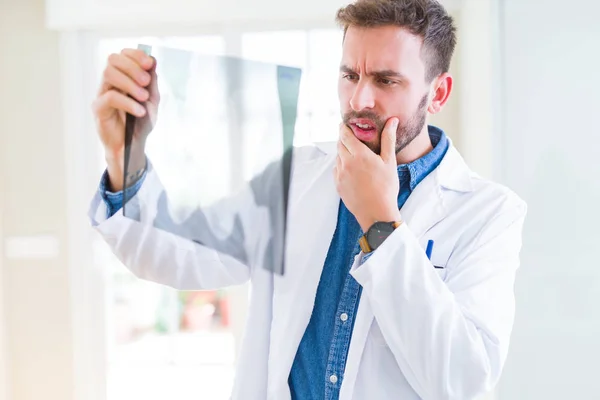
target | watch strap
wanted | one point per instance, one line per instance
(364, 244)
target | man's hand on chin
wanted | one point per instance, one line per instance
(368, 183)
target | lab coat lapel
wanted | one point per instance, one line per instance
(312, 220)
(424, 208)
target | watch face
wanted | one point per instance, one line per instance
(378, 233)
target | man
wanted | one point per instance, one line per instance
(400, 284)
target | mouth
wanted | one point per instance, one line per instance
(364, 129)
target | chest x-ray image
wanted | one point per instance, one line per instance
(218, 157)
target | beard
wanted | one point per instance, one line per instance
(407, 130)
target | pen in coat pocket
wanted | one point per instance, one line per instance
(429, 249)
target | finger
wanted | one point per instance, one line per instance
(114, 100)
(349, 140)
(336, 178)
(343, 153)
(153, 87)
(116, 79)
(388, 140)
(131, 67)
(140, 57)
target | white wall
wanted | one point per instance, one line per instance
(550, 152)
(33, 198)
(4, 379)
(476, 49)
(468, 117)
(102, 14)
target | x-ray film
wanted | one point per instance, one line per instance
(218, 155)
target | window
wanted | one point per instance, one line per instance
(164, 343)
(168, 344)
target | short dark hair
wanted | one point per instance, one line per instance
(425, 18)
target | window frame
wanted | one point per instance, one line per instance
(78, 51)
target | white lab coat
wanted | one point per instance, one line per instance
(420, 332)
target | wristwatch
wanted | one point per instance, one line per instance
(376, 234)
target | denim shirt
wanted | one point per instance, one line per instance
(114, 200)
(318, 368)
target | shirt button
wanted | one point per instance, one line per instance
(333, 378)
(344, 317)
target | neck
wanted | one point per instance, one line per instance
(416, 149)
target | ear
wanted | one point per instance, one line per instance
(441, 86)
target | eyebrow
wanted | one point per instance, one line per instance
(387, 73)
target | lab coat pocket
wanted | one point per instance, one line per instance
(440, 269)
(438, 256)
(439, 262)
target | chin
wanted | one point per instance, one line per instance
(374, 146)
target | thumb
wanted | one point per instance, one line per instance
(153, 86)
(388, 140)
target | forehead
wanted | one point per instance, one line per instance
(383, 48)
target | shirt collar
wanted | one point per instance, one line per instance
(417, 170)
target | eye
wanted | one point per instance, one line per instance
(350, 77)
(386, 82)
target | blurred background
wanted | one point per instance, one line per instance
(76, 325)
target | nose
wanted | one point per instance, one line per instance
(362, 97)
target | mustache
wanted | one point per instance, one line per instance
(380, 122)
